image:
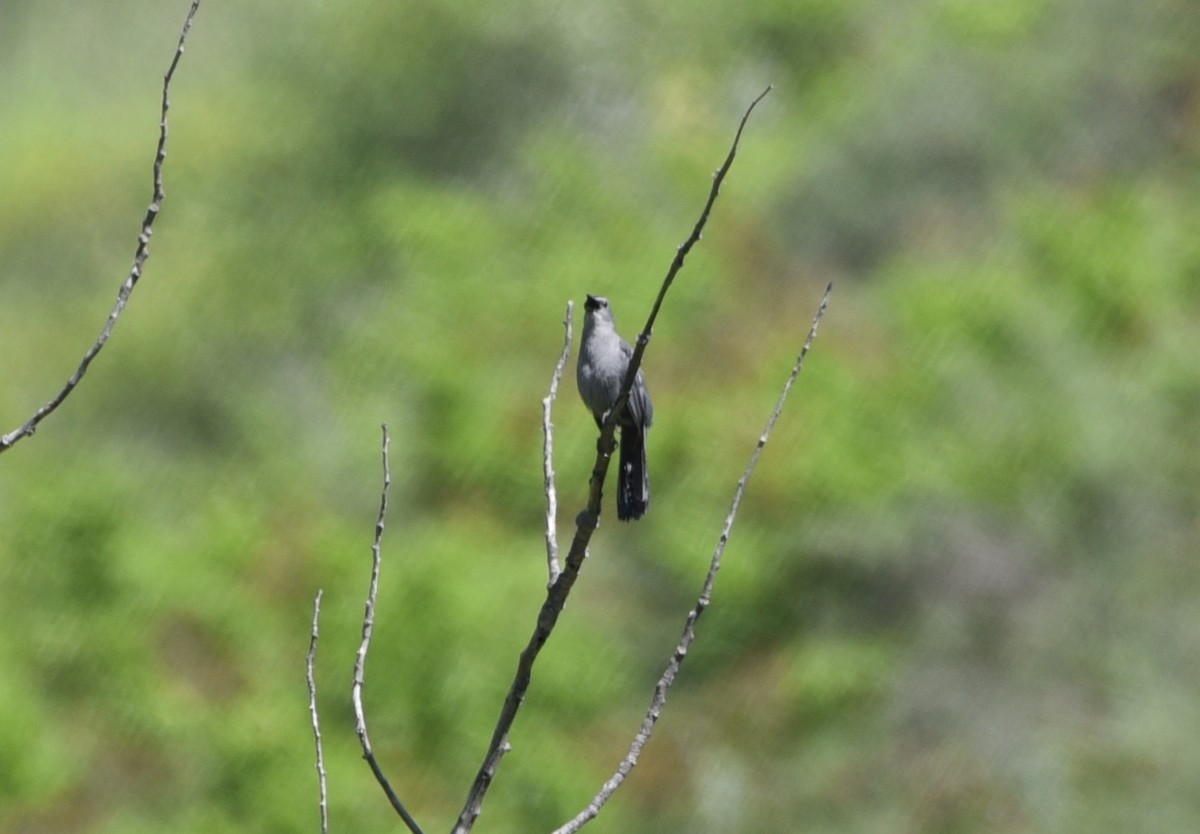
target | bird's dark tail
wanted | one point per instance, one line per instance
(633, 480)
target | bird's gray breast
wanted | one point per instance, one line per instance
(601, 371)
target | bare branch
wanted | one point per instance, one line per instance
(139, 257)
(607, 441)
(689, 629)
(548, 451)
(586, 522)
(556, 597)
(361, 661)
(312, 709)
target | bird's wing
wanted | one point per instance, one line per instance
(640, 407)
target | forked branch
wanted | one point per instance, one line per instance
(689, 629)
(586, 522)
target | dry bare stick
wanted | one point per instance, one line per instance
(586, 522)
(312, 709)
(139, 257)
(360, 725)
(635, 361)
(689, 629)
(548, 452)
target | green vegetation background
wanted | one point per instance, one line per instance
(963, 593)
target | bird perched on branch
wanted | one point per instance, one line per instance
(603, 362)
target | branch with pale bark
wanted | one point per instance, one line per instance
(548, 452)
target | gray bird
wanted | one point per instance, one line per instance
(603, 362)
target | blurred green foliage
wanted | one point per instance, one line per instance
(961, 594)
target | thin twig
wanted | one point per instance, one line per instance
(607, 442)
(312, 709)
(548, 451)
(361, 661)
(139, 257)
(681, 254)
(689, 629)
(586, 522)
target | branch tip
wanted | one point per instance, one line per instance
(359, 681)
(142, 253)
(312, 708)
